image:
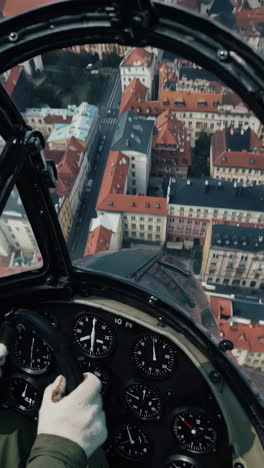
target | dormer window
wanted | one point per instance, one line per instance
(147, 205)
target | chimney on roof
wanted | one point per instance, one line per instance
(206, 185)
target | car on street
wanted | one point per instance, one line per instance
(89, 185)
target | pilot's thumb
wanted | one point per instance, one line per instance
(55, 391)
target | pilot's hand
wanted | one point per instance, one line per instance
(78, 416)
(3, 354)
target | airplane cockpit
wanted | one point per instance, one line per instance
(132, 221)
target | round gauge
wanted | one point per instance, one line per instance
(102, 374)
(24, 393)
(181, 461)
(31, 353)
(154, 356)
(93, 335)
(194, 430)
(143, 401)
(132, 442)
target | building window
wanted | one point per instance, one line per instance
(150, 228)
(150, 220)
(133, 218)
(198, 124)
(149, 236)
(133, 166)
(134, 226)
(133, 174)
(158, 228)
(158, 237)
(159, 220)
(142, 235)
(141, 227)
(133, 182)
(134, 233)
(142, 218)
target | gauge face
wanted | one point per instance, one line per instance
(93, 335)
(154, 356)
(194, 430)
(180, 461)
(24, 393)
(143, 401)
(31, 353)
(131, 442)
(102, 374)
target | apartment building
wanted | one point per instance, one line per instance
(63, 209)
(233, 256)
(133, 137)
(171, 152)
(143, 218)
(237, 155)
(138, 63)
(45, 119)
(105, 233)
(193, 203)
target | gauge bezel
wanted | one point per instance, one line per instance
(82, 351)
(141, 372)
(106, 387)
(126, 457)
(185, 458)
(20, 366)
(11, 401)
(128, 409)
(208, 415)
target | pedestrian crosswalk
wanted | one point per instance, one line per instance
(108, 120)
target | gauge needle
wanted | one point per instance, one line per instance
(32, 346)
(144, 393)
(25, 391)
(129, 435)
(154, 350)
(185, 422)
(87, 337)
(134, 396)
(93, 335)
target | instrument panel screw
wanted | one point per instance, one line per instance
(215, 377)
(226, 345)
(161, 322)
(13, 36)
(152, 300)
(223, 55)
(238, 465)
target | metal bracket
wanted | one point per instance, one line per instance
(34, 144)
(133, 17)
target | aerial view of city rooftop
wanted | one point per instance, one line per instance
(152, 151)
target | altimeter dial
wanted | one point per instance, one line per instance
(154, 356)
(143, 401)
(31, 353)
(93, 335)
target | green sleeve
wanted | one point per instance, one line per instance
(56, 452)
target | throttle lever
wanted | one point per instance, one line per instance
(51, 336)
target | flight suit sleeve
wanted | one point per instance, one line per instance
(56, 452)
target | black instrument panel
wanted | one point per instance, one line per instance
(159, 409)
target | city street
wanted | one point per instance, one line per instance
(87, 209)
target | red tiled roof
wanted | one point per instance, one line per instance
(134, 204)
(220, 306)
(115, 175)
(224, 158)
(12, 80)
(243, 336)
(99, 239)
(171, 131)
(138, 54)
(13, 7)
(55, 155)
(67, 167)
(132, 95)
(248, 19)
(57, 119)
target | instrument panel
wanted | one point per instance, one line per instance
(159, 409)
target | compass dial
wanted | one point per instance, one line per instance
(131, 442)
(93, 335)
(154, 356)
(194, 430)
(143, 401)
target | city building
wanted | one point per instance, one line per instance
(143, 218)
(133, 137)
(63, 209)
(18, 86)
(237, 155)
(134, 93)
(105, 233)
(233, 256)
(138, 63)
(45, 119)
(171, 152)
(100, 49)
(193, 203)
